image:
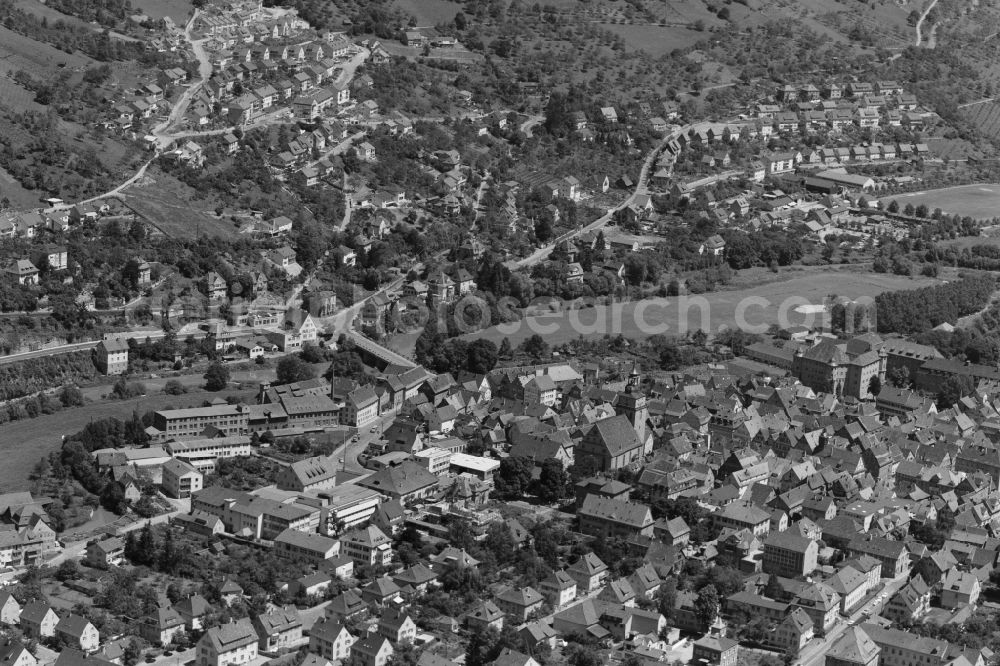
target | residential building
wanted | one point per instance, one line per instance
(112, 356)
(77, 632)
(311, 547)
(278, 628)
(375, 650)
(789, 554)
(611, 518)
(106, 553)
(229, 644)
(853, 648)
(331, 640)
(715, 650)
(367, 547)
(180, 479)
(519, 603)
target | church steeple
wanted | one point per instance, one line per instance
(632, 384)
(632, 403)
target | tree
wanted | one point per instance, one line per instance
(482, 356)
(543, 229)
(293, 369)
(552, 481)
(536, 346)
(706, 606)
(217, 377)
(893, 206)
(513, 476)
(899, 377)
(505, 349)
(952, 390)
(71, 396)
(875, 385)
(113, 498)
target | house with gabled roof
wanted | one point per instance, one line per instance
(229, 644)
(160, 627)
(38, 620)
(485, 616)
(607, 517)
(331, 640)
(589, 572)
(519, 603)
(278, 628)
(79, 633)
(559, 588)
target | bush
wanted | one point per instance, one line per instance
(174, 387)
(71, 396)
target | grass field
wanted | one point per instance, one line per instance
(430, 12)
(23, 443)
(758, 306)
(171, 207)
(977, 201)
(19, 52)
(43, 11)
(19, 197)
(655, 40)
(177, 10)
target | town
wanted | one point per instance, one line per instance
(435, 333)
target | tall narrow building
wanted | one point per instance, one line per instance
(632, 404)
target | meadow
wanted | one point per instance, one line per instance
(793, 302)
(24, 443)
(171, 207)
(978, 201)
(430, 12)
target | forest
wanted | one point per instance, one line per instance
(918, 310)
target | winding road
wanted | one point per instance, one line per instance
(920, 25)
(640, 188)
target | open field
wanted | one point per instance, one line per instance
(16, 97)
(18, 196)
(986, 117)
(655, 40)
(977, 201)
(43, 11)
(177, 10)
(793, 302)
(19, 52)
(23, 443)
(170, 206)
(429, 12)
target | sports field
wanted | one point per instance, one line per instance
(794, 302)
(977, 201)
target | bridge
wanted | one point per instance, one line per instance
(370, 350)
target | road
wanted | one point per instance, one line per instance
(163, 139)
(640, 188)
(118, 190)
(339, 148)
(815, 653)
(532, 121)
(920, 23)
(142, 334)
(343, 320)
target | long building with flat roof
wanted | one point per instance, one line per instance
(192, 422)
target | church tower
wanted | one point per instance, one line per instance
(632, 404)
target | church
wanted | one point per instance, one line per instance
(623, 439)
